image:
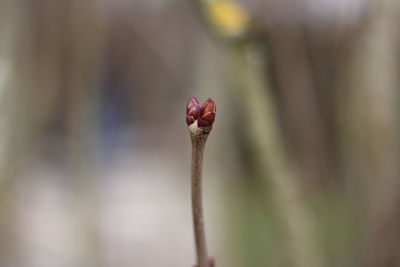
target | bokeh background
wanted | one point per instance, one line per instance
(301, 168)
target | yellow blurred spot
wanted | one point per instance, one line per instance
(228, 17)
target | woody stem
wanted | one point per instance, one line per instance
(198, 143)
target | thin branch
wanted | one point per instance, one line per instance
(199, 120)
(198, 144)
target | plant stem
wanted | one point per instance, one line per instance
(198, 143)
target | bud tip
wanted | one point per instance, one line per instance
(204, 114)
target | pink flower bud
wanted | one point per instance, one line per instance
(192, 103)
(207, 113)
(192, 111)
(204, 115)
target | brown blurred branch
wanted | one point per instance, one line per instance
(271, 154)
(371, 144)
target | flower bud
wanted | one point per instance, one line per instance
(193, 102)
(204, 115)
(207, 113)
(192, 111)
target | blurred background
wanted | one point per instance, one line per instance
(301, 168)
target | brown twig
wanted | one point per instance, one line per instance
(198, 144)
(199, 120)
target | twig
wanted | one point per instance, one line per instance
(198, 144)
(199, 120)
